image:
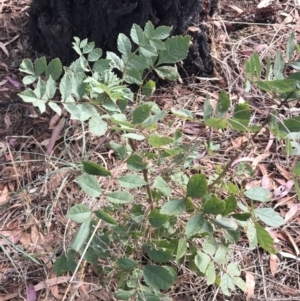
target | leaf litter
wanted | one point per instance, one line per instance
(21, 121)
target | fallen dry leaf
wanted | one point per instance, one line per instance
(30, 293)
(9, 297)
(283, 190)
(258, 159)
(55, 135)
(291, 240)
(294, 211)
(283, 172)
(34, 235)
(193, 28)
(2, 46)
(238, 142)
(264, 3)
(53, 121)
(25, 239)
(250, 283)
(271, 141)
(56, 179)
(288, 291)
(274, 260)
(236, 8)
(14, 236)
(283, 201)
(3, 195)
(245, 159)
(266, 182)
(51, 282)
(273, 233)
(55, 292)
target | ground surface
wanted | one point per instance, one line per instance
(34, 219)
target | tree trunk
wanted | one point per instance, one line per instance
(54, 23)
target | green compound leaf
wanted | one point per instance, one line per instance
(79, 213)
(29, 96)
(181, 248)
(147, 296)
(210, 273)
(28, 80)
(126, 264)
(120, 197)
(216, 123)
(40, 66)
(194, 225)
(105, 217)
(264, 239)
(137, 34)
(94, 55)
(290, 125)
(124, 295)
(133, 76)
(95, 169)
(158, 277)
(131, 181)
(162, 186)
(157, 219)
(161, 32)
(159, 255)
(167, 72)
(202, 260)
(89, 185)
(56, 108)
(88, 47)
(232, 236)
(173, 207)
(184, 113)
(64, 263)
(223, 105)
(82, 235)
(239, 124)
(225, 223)
(158, 141)
(258, 194)
(210, 245)
(135, 163)
(54, 69)
(227, 284)
(197, 186)
(244, 216)
(233, 269)
(251, 234)
(230, 204)
(27, 67)
(141, 113)
(214, 206)
(176, 50)
(120, 150)
(124, 44)
(65, 87)
(149, 88)
(134, 136)
(97, 125)
(269, 217)
(99, 248)
(222, 255)
(242, 111)
(240, 283)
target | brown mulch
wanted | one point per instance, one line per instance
(25, 134)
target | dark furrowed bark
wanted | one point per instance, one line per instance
(54, 23)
